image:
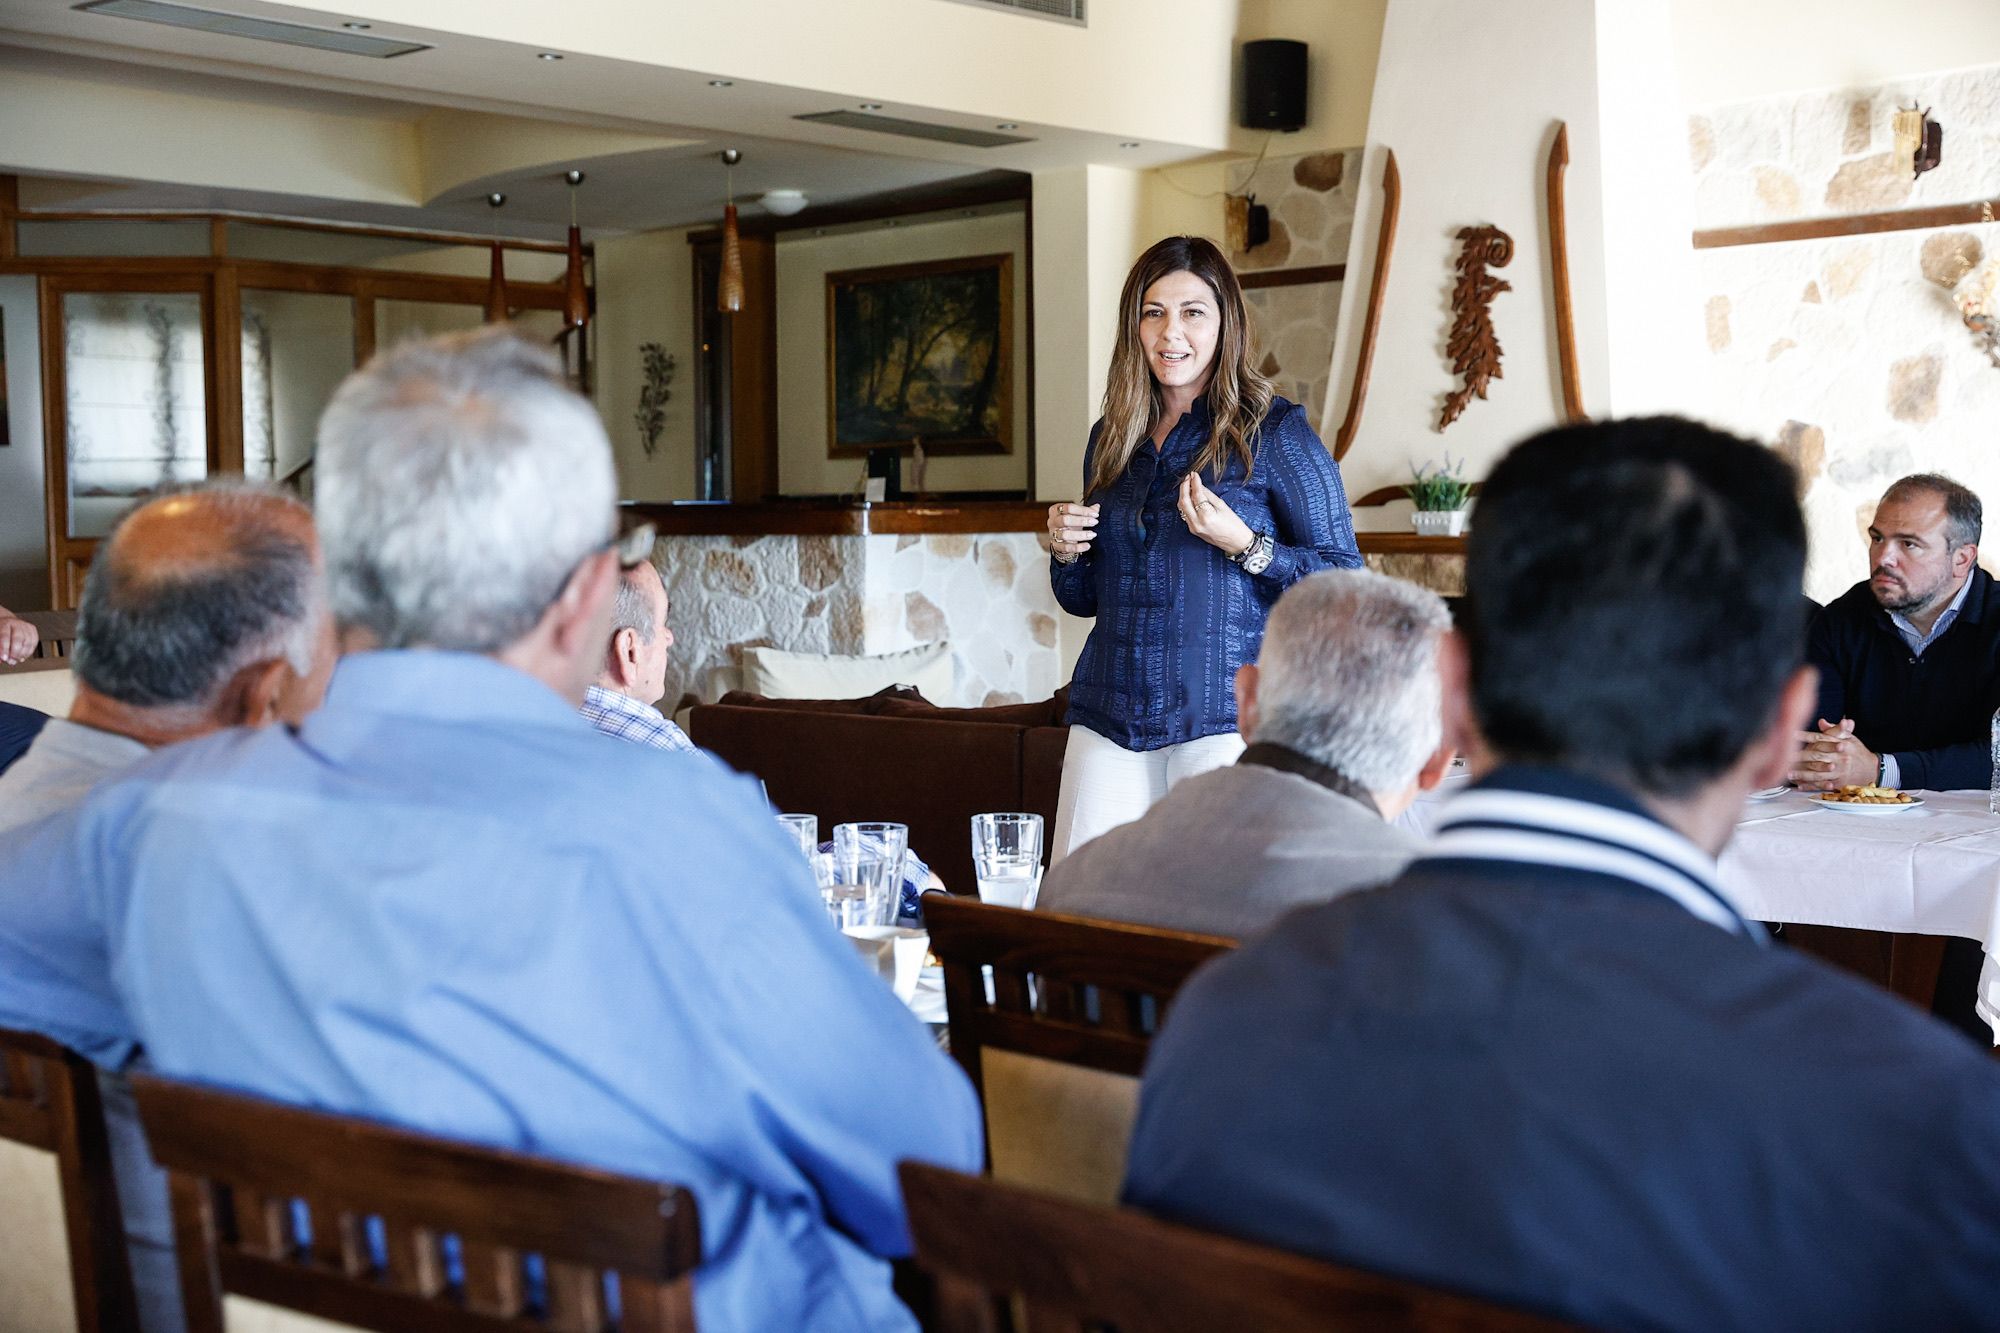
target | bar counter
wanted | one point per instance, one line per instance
(820, 517)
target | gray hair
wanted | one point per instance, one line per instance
(630, 609)
(459, 481)
(1964, 516)
(170, 634)
(1348, 675)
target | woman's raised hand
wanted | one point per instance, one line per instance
(1210, 519)
(1072, 528)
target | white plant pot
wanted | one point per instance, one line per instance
(1439, 522)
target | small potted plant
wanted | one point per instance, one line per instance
(1440, 495)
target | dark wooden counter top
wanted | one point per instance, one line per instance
(838, 518)
(1407, 543)
(852, 518)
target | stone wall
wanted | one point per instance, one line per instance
(1311, 199)
(987, 595)
(1849, 354)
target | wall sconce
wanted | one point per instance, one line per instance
(1919, 139)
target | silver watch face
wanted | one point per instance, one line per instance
(1258, 560)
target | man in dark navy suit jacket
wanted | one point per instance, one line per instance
(18, 728)
(1909, 658)
(1551, 1065)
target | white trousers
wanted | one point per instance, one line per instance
(1105, 785)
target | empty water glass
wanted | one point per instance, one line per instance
(1007, 858)
(867, 885)
(804, 830)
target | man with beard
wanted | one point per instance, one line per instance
(1909, 660)
(1909, 676)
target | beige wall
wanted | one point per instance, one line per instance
(803, 263)
(109, 127)
(645, 294)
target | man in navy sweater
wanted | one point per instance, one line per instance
(1909, 676)
(1909, 659)
(1550, 1064)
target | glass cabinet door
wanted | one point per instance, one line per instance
(135, 404)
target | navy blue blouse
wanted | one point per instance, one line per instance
(1175, 616)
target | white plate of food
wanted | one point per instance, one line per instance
(1868, 801)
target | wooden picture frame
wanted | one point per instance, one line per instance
(943, 327)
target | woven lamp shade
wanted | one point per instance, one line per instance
(729, 288)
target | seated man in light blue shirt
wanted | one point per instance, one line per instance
(202, 610)
(446, 902)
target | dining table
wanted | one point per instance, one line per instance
(1929, 868)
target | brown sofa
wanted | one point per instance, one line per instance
(893, 756)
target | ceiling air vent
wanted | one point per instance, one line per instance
(256, 29)
(914, 129)
(1062, 11)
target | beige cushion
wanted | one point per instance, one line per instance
(1058, 1128)
(50, 691)
(35, 1293)
(777, 674)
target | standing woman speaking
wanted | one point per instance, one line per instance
(1205, 495)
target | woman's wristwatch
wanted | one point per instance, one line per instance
(1256, 557)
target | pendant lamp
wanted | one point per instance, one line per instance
(496, 282)
(729, 286)
(576, 300)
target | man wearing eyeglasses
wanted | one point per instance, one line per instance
(445, 902)
(633, 676)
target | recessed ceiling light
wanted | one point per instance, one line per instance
(357, 27)
(548, 55)
(1007, 125)
(722, 83)
(871, 106)
(1129, 143)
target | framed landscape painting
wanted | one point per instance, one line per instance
(921, 352)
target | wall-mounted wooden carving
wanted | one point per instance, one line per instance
(1572, 386)
(1472, 345)
(1385, 244)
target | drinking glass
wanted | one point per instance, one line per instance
(1007, 858)
(804, 829)
(867, 882)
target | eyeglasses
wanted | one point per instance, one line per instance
(634, 547)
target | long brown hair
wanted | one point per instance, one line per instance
(1238, 396)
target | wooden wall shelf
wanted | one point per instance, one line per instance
(1408, 543)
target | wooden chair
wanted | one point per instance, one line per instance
(58, 631)
(1008, 1258)
(1056, 1046)
(380, 1202)
(49, 1106)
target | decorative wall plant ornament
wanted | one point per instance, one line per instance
(654, 395)
(1977, 297)
(1472, 346)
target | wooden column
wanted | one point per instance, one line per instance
(753, 376)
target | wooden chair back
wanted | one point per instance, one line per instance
(1054, 1046)
(58, 631)
(1001, 1258)
(49, 1104)
(379, 1203)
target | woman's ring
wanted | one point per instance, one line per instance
(1204, 504)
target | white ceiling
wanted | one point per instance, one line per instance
(643, 190)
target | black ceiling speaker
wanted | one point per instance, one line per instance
(1274, 85)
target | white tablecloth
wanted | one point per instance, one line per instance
(1933, 870)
